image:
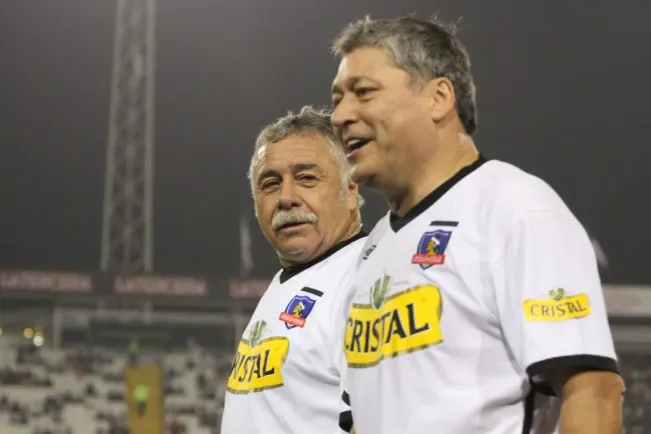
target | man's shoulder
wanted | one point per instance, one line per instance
(508, 188)
(380, 229)
(344, 258)
(273, 287)
(356, 246)
(340, 264)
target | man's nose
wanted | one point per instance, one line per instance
(344, 114)
(289, 197)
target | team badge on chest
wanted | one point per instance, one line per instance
(431, 249)
(297, 311)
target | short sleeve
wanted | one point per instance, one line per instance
(549, 296)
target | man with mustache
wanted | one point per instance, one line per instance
(479, 309)
(286, 374)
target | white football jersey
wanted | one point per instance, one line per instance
(463, 303)
(286, 375)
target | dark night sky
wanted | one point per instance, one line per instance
(563, 90)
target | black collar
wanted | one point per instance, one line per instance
(288, 273)
(396, 222)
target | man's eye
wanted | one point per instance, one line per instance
(268, 184)
(306, 178)
(363, 91)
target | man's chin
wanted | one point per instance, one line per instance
(297, 253)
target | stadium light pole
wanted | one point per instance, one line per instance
(127, 226)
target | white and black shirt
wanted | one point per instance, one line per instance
(287, 372)
(464, 302)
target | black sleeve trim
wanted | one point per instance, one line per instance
(346, 420)
(579, 362)
(346, 398)
(346, 417)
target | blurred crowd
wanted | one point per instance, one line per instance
(81, 391)
(43, 391)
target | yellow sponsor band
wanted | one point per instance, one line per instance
(570, 307)
(406, 322)
(258, 368)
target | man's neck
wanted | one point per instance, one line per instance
(431, 174)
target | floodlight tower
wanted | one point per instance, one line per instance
(127, 232)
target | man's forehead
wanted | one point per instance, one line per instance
(366, 62)
(298, 152)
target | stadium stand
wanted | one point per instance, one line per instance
(77, 391)
(62, 363)
(47, 391)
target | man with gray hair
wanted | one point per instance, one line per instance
(479, 309)
(286, 375)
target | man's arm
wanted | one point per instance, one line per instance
(591, 401)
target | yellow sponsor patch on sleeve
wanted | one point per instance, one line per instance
(559, 306)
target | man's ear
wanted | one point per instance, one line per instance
(353, 196)
(440, 92)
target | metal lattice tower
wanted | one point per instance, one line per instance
(129, 186)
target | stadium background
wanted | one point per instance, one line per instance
(562, 92)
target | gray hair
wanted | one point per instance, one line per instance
(309, 120)
(425, 49)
